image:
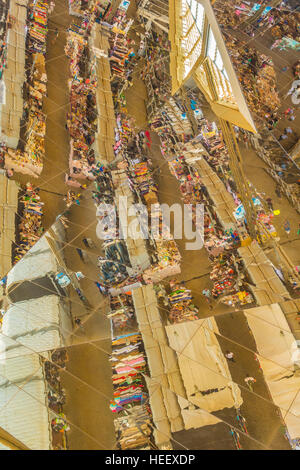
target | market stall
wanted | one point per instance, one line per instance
(12, 72)
(40, 324)
(204, 368)
(30, 228)
(23, 394)
(28, 159)
(9, 191)
(165, 379)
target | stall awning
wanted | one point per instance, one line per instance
(8, 207)
(23, 410)
(34, 323)
(203, 365)
(35, 264)
(279, 357)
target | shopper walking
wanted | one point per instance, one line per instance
(270, 204)
(278, 191)
(78, 323)
(56, 33)
(230, 356)
(88, 242)
(250, 381)
(79, 251)
(207, 295)
(287, 227)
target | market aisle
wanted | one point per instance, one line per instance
(196, 274)
(263, 422)
(86, 408)
(88, 358)
(56, 107)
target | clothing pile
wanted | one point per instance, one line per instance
(29, 160)
(122, 312)
(82, 118)
(229, 281)
(141, 176)
(128, 363)
(121, 55)
(166, 256)
(181, 307)
(30, 229)
(38, 29)
(134, 431)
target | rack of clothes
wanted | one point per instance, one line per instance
(122, 312)
(5, 24)
(128, 363)
(30, 229)
(37, 34)
(134, 431)
(130, 397)
(28, 159)
(82, 117)
(56, 396)
(121, 53)
(181, 308)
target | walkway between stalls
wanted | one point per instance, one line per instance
(88, 354)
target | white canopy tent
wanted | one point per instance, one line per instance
(8, 207)
(203, 366)
(23, 397)
(37, 262)
(280, 361)
(35, 324)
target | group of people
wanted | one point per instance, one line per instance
(134, 429)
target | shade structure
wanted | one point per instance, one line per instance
(8, 207)
(279, 359)
(203, 366)
(23, 410)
